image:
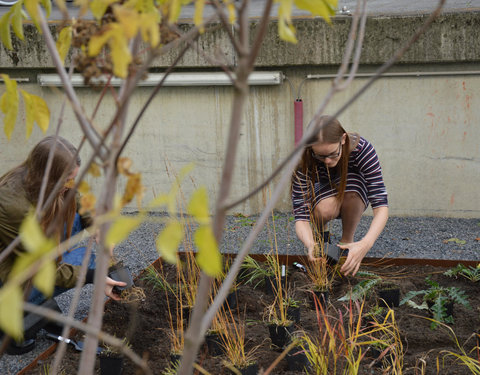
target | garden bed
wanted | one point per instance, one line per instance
(146, 326)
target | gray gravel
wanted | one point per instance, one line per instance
(421, 237)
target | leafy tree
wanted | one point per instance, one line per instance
(122, 41)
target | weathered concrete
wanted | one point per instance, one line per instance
(453, 37)
(424, 128)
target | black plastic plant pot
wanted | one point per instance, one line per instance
(118, 272)
(271, 284)
(214, 345)
(389, 297)
(297, 360)
(186, 310)
(251, 369)
(376, 354)
(293, 314)
(231, 301)
(319, 296)
(175, 359)
(280, 335)
(111, 365)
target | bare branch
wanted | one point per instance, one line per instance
(227, 27)
(89, 131)
(263, 24)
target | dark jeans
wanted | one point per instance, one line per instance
(72, 256)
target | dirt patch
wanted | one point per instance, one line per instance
(146, 325)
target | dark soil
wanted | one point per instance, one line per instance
(147, 329)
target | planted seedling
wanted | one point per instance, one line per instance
(437, 299)
(363, 288)
(469, 273)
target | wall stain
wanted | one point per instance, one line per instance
(464, 86)
(452, 199)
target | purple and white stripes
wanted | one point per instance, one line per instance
(364, 177)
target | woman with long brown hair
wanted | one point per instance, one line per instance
(338, 176)
(19, 193)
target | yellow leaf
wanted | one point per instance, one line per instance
(169, 240)
(98, 7)
(94, 170)
(47, 4)
(208, 257)
(87, 202)
(121, 56)
(121, 228)
(64, 41)
(42, 113)
(159, 201)
(9, 105)
(123, 166)
(44, 280)
(17, 20)
(149, 28)
(285, 27)
(11, 311)
(83, 187)
(61, 5)
(97, 42)
(198, 206)
(322, 8)
(231, 11)
(174, 11)
(5, 34)
(128, 18)
(198, 16)
(36, 111)
(30, 113)
(32, 10)
(31, 233)
(134, 188)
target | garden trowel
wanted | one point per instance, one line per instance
(79, 346)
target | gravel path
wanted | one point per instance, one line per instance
(421, 237)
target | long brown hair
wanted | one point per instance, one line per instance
(30, 174)
(331, 131)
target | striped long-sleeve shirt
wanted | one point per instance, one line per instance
(364, 177)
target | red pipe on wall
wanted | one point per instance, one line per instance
(298, 112)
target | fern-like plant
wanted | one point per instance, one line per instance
(436, 299)
(362, 289)
(469, 273)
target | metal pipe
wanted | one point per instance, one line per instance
(401, 74)
(298, 112)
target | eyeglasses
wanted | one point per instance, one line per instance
(331, 156)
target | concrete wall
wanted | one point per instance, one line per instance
(425, 129)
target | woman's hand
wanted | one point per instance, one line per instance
(109, 288)
(356, 253)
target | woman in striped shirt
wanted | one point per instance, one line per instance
(338, 176)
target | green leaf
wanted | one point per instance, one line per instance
(98, 7)
(198, 206)
(44, 280)
(29, 113)
(47, 4)
(11, 311)
(64, 41)
(208, 257)
(121, 228)
(169, 240)
(5, 34)
(285, 27)
(9, 105)
(17, 20)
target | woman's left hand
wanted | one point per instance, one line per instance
(109, 288)
(356, 253)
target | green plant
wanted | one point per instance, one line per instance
(255, 271)
(436, 299)
(363, 288)
(470, 273)
(115, 351)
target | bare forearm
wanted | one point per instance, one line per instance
(380, 217)
(304, 233)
